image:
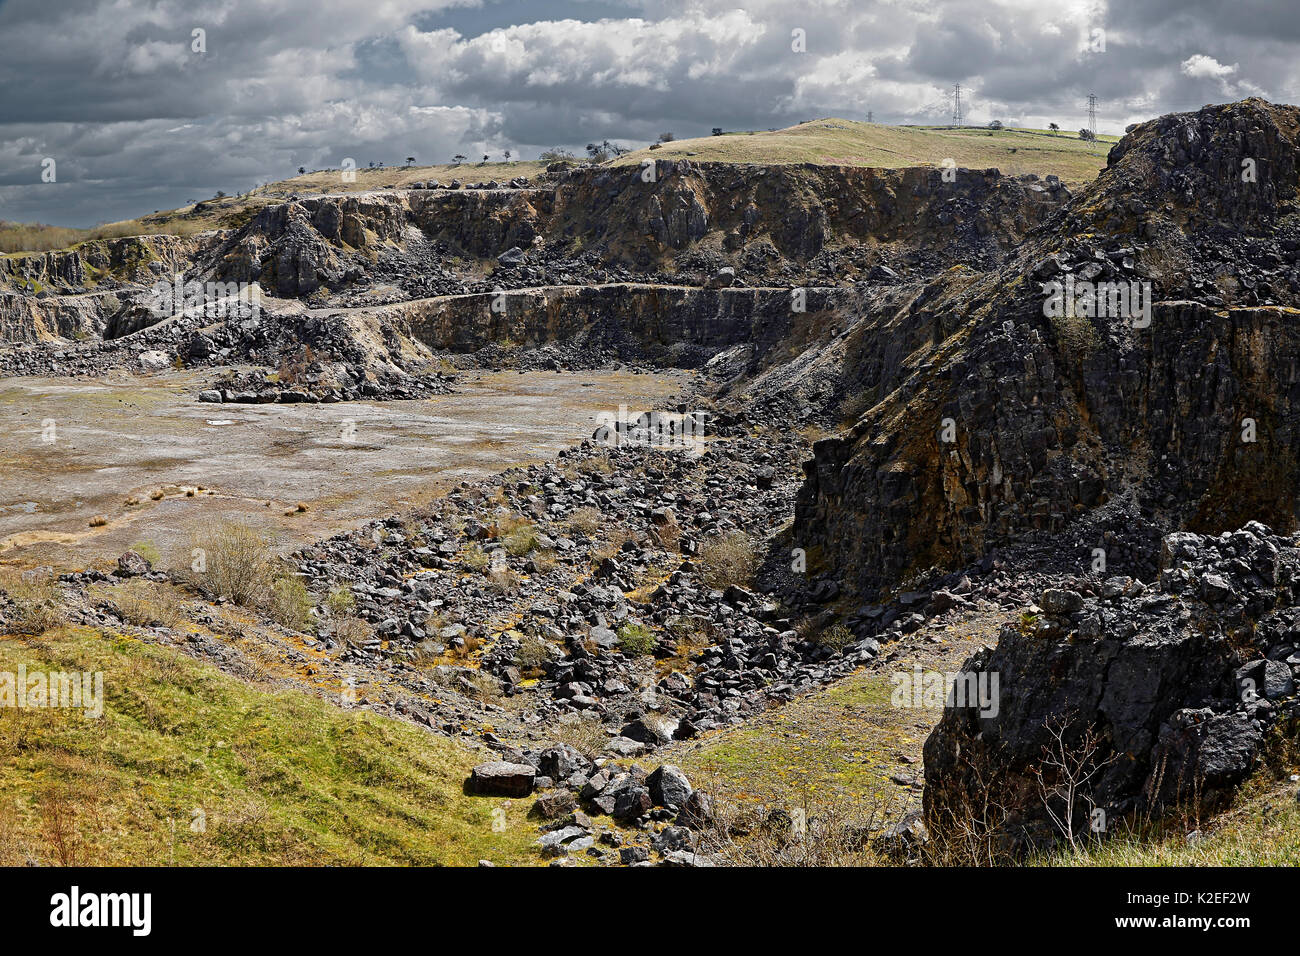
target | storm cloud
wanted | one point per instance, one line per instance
(138, 114)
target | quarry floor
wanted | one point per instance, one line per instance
(76, 450)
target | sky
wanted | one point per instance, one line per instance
(138, 112)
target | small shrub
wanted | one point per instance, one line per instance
(428, 651)
(636, 640)
(463, 651)
(239, 563)
(521, 541)
(290, 603)
(533, 655)
(727, 560)
(36, 599)
(669, 535)
(584, 734)
(485, 685)
(474, 557)
(836, 638)
(584, 521)
(353, 631)
(340, 600)
(503, 580)
(146, 604)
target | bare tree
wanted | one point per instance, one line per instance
(1064, 774)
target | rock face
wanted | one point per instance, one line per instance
(674, 325)
(1161, 696)
(105, 261)
(761, 218)
(26, 318)
(990, 417)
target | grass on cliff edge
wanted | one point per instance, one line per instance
(831, 142)
(840, 142)
(282, 778)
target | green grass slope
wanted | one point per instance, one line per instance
(281, 777)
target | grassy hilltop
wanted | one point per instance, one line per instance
(829, 142)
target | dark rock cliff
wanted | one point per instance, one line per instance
(1152, 698)
(1004, 420)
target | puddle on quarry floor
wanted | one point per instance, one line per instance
(77, 449)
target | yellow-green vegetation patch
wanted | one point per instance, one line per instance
(841, 743)
(190, 766)
(1261, 829)
(841, 142)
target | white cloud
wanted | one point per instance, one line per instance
(1201, 66)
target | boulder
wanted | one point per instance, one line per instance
(514, 256)
(722, 279)
(669, 787)
(631, 803)
(500, 778)
(697, 811)
(552, 806)
(133, 564)
(1164, 698)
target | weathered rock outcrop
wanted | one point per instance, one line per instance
(102, 263)
(27, 318)
(1232, 166)
(1003, 420)
(795, 211)
(1156, 697)
(766, 217)
(295, 248)
(675, 324)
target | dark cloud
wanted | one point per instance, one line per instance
(137, 120)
